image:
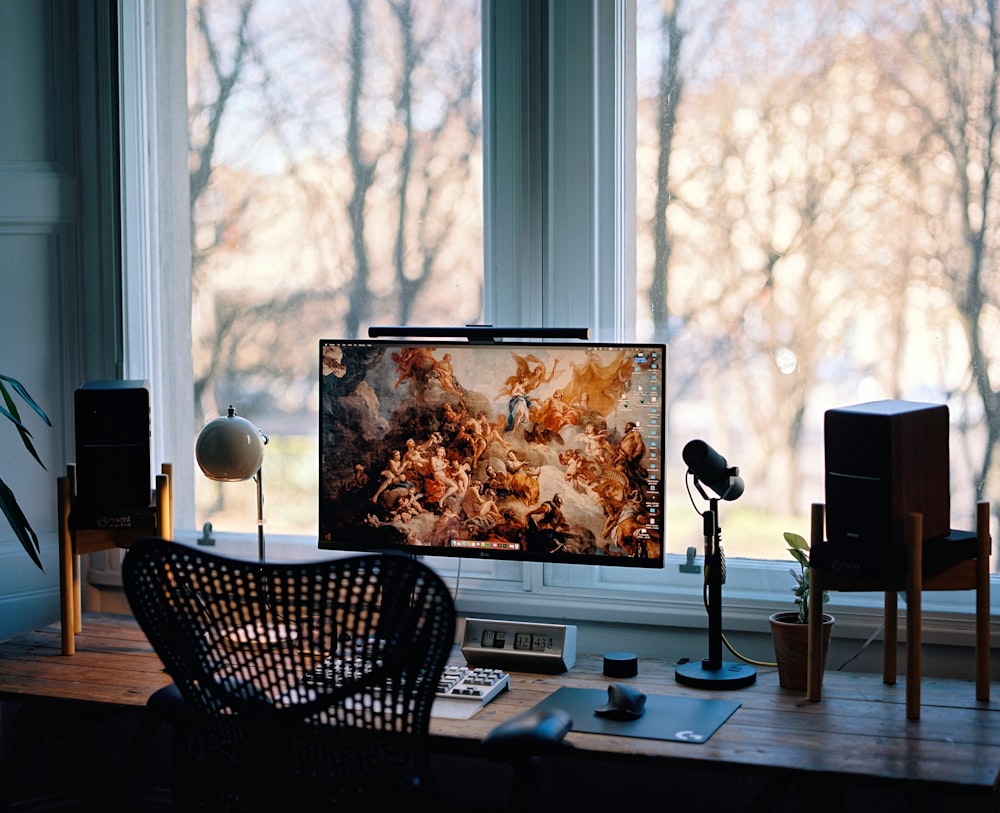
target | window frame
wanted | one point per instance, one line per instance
(559, 94)
(155, 227)
(559, 91)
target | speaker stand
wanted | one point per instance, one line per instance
(81, 532)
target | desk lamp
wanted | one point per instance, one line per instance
(706, 466)
(230, 449)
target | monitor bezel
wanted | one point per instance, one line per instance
(368, 540)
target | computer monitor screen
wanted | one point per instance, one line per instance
(531, 451)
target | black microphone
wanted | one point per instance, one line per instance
(711, 468)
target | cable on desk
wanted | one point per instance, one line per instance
(864, 646)
(725, 640)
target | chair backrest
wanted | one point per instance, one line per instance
(307, 682)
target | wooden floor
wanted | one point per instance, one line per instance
(857, 736)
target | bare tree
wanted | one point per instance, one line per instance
(766, 205)
(210, 92)
(424, 217)
(332, 162)
(946, 68)
(832, 208)
(362, 170)
(669, 97)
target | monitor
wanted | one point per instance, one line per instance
(533, 451)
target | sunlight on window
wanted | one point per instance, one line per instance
(816, 224)
(336, 183)
(812, 233)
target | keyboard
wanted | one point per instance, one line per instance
(473, 684)
(470, 685)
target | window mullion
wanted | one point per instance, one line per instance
(156, 266)
(513, 162)
(559, 89)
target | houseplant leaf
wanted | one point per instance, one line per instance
(798, 547)
(9, 410)
(9, 387)
(19, 522)
(790, 630)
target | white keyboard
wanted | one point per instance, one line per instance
(461, 691)
(475, 684)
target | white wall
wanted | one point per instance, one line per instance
(63, 280)
(39, 250)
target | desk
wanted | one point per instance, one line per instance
(858, 734)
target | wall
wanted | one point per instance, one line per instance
(75, 260)
(40, 247)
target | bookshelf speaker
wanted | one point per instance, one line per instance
(885, 460)
(113, 469)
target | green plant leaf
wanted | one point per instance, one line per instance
(19, 523)
(8, 502)
(798, 547)
(796, 541)
(799, 557)
(19, 388)
(14, 416)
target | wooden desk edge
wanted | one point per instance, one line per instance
(734, 748)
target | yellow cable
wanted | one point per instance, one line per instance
(743, 657)
(729, 646)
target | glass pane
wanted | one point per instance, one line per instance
(336, 183)
(818, 214)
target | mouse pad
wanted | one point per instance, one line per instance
(678, 719)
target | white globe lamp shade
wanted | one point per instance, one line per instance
(230, 448)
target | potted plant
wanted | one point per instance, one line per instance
(8, 502)
(790, 629)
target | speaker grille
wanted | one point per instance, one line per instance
(113, 470)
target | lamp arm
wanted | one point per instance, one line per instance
(260, 515)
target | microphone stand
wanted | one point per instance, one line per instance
(712, 672)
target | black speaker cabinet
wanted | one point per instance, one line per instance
(113, 469)
(885, 460)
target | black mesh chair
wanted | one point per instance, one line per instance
(303, 684)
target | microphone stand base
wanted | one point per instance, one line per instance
(731, 675)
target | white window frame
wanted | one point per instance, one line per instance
(560, 194)
(155, 226)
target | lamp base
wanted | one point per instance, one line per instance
(730, 675)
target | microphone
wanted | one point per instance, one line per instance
(711, 468)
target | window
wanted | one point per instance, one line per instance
(810, 228)
(815, 210)
(336, 154)
(814, 232)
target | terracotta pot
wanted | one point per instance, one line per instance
(791, 647)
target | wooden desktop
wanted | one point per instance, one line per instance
(858, 735)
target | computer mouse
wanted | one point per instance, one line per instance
(624, 703)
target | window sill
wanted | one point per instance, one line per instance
(652, 600)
